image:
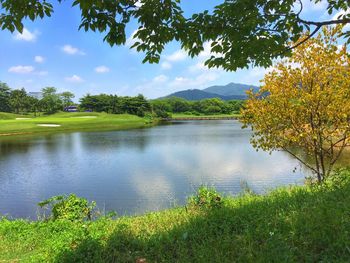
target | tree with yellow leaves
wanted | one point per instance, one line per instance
(304, 103)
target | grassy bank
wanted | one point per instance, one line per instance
(67, 122)
(299, 224)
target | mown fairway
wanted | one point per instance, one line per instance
(65, 122)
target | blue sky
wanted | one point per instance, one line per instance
(52, 52)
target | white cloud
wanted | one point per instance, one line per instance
(181, 55)
(207, 50)
(42, 73)
(39, 59)
(252, 76)
(138, 4)
(102, 69)
(21, 69)
(197, 82)
(202, 57)
(70, 50)
(207, 53)
(26, 35)
(74, 79)
(178, 55)
(160, 79)
(310, 6)
(200, 66)
(27, 70)
(180, 81)
(162, 85)
(131, 40)
(166, 65)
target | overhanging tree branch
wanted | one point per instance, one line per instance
(305, 39)
(300, 160)
(325, 23)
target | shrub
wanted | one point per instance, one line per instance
(162, 114)
(70, 207)
(206, 198)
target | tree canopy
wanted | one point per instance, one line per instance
(5, 94)
(304, 105)
(241, 32)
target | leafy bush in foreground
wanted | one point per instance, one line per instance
(206, 198)
(70, 207)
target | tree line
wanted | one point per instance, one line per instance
(114, 104)
(162, 107)
(20, 101)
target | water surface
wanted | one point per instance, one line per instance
(139, 170)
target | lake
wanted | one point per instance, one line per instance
(136, 171)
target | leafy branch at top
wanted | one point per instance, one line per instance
(242, 33)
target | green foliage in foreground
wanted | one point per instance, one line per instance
(70, 207)
(206, 198)
(242, 33)
(297, 224)
(79, 121)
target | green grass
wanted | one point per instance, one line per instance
(12, 116)
(68, 122)
(298, 224)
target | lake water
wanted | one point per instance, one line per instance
(135, 171)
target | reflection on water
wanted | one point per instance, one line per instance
(137, 170)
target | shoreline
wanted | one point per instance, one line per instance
(93, 122)
(190, 117)
(245, 228)
(199, 118)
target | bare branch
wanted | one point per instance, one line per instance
(326, 23)
(301, 7)
(305, 39)
(300, 160)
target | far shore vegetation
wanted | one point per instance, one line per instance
(22, 113)
(48, 101)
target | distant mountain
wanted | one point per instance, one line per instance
(196, 94)
(231, 91)
(236, 89)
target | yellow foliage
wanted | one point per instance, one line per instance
(304, 102)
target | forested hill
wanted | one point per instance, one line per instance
(196, 94)
(232, 91)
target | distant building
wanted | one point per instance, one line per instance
(36, 94)
(71, 109)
